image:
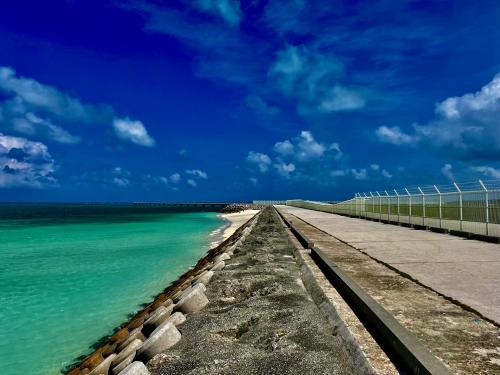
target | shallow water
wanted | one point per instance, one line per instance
(70, 274)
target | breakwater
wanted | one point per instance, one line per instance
(153, 329)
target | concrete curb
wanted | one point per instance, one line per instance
(399, 343)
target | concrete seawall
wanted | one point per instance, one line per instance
(153, 329)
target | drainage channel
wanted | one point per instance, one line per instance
(408, 354)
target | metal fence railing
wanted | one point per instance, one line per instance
(472, 207)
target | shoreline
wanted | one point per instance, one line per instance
(229, 234)
(233, 221)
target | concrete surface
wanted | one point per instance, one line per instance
(465, 270)
(460, 338)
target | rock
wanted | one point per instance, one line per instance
(167, 302)
(135, 368)
(223, 256)
(103, 367)
(176, 318)
(127, 351)
(231, 249)
(157, 317)
(189, 290)
(159, 359)
(193, 301)
(161, 340)
(119, 367)
(135, 334)
(179, 292)
(200, 275)
(206, 277)
(218, 266)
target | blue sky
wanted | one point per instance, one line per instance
(214, 100)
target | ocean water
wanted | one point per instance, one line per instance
(69, 274)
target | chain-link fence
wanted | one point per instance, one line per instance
(472, 207)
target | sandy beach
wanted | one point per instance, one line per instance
(236, 220)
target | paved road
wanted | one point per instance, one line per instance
(465, 270)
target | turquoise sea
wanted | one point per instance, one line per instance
(69, 274)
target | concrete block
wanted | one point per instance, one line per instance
(127, 351)
(157, 317)
(135, 368)
(121, 366)
(180, 290)
(206, 277)
(195, 300)
(189, 290)
(161, 340)
(135, 334)
(103, 367)
(223, 256)
(176, 318)
(220, 265)
(167, 302)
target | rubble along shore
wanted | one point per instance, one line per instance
(260, 319)
(96, 363)
(250, 315)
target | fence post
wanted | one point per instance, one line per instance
(423, 205)
(461, 205)
(373, 204)
(366, 204)
(388, 206)
(440, 208)
(397, 195)
(409, 205)
(379, 206)
(487, 207)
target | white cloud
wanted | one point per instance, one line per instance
(301, 157)
(121, 181)
(488, 172)
(33, 95)
(467, 126)
(262, 161)
(284, 169)
(192, 182)
(32, 108)
(35, 109)
(341, 99)
(228, 10)
(338, 173)
(304, 148)
(133, 131)
(119, 171)
(447, 171)
(313, 79)
(375, 167)
(258, 104)
(24, 163)
(386, 173)
(175, 178)
(359, 174)
(254, 180)
(197, 173)
(393, 135)
(284, 148)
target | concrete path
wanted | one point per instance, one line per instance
(465, 270)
